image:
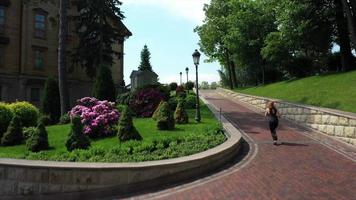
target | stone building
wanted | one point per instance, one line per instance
(29, 51)
(141, 78)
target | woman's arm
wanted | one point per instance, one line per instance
(266, 112)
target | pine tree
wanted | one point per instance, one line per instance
(50, 101)
(145, 59)
(39, 140)
(164, 117)
(104, 86)
(76, 138)
(127, 131)
(97, 32)
(13, 135)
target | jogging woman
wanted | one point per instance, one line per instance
(272, 114)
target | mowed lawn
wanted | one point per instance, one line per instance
(336, 91)
(184, 140)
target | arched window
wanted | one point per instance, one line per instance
(40, 23)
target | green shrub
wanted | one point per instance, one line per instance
(157, 111)
(26, 112)
(46, 119)
(65, 119)
(5, 118)
(190, 101)
(173, 102)
(38, 141)
(164, 117)
(181, 115)
(50, 101)
(76, 138)
(189, 85)
(28, 132)
(124, 98)
(173, 86)
(127, 131)
(13, 135)
(104, 86)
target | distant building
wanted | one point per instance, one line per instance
(29, 51)
(142, 78)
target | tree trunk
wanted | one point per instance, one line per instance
(350, 18)
(345, 47)
(233, 69)
(62, 54)
(229, 70)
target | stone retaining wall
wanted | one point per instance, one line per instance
(25, 179)
(340, 125)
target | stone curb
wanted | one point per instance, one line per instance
(52, 180)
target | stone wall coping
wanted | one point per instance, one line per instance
(321, 109)
(234, 137)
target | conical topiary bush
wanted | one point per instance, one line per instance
(76, 138)
(13, 135)
(181, 115)
(127, 131)
(38, 141)
(164, 117)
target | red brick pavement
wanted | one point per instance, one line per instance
(300, 168)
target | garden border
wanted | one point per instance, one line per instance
(53, 180)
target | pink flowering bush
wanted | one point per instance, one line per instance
(98, 117)
(146, 101)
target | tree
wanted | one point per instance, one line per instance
(180, 114)
(51, 101)
(13, 135)
(104, 87)
(97, 32)
(62, 56)
(145, 59)
(38, 141)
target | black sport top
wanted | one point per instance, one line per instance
(272, 115)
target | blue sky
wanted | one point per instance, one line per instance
(166, 26)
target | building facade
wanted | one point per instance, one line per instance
(29, 51)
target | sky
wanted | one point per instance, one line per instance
(167, 27)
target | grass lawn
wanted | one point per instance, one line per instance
(184, 140)
(337, 91)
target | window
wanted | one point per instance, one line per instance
(35, 95)
(2, 19)
(40, 25)
(39, 58)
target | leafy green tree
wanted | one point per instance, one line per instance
(127, 130)
(145, 59)
(104, 86)
(97, 32)
(76, 138)
(51, 105)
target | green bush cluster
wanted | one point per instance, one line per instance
(124, 98)
(180, 114)
(173, 86)
(51, 106)
(127, 130)
(38, 139)
(190, 101)
(164, 117)
(5, 118)
(26, 112)
(65, 119)
(76, 139)
(13, 135)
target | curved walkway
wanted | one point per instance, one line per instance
(300, 168)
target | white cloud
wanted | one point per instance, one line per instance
(202, 77)
(191, 10)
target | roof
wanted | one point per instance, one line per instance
(136, 73)
(133, 73)
(124, 31)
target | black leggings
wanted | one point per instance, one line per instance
(273, 124)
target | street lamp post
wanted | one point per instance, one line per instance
(196, 59)
(180, 73)
(187, 71)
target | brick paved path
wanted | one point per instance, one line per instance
(301, 168)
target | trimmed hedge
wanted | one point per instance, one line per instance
(76, 138)
(5, 118)
(181, 115)
(127, 130)
(13, 136)
(38, 140)
(26, 112)
(164, 117)
(51, 105)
